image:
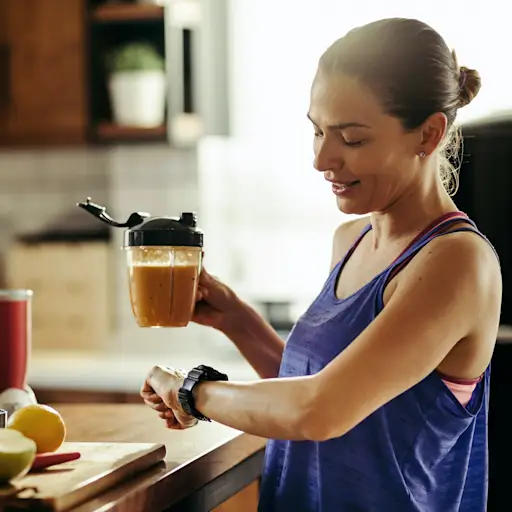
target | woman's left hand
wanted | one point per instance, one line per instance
(160, 392)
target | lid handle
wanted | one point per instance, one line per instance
(100, 212)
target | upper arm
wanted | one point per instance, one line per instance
(344, 237)
(450, 288)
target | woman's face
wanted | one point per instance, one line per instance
(370, 160)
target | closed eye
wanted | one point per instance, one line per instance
(353, 144)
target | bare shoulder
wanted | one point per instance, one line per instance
(458, 255)
(462, 262)
(453, 287)
(464, 252)
(344, 236)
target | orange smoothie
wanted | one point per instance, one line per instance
(163, 296)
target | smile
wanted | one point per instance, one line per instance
(342, 189)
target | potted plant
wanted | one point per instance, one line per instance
(137, 85)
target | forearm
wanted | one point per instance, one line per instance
(257, 341)
(270, 408)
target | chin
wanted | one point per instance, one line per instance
(351, 207)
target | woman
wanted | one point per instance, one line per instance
(378, 400)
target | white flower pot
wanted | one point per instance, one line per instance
(138, 98)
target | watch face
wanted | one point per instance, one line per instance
(189, 384)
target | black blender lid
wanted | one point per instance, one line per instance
(144, 230)
(177, 231)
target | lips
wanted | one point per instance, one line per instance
(343, 188)
(345, 183)
(328, 176)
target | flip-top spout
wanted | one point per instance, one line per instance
(100, 212)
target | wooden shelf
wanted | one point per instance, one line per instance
(109, 132)
(127, 12)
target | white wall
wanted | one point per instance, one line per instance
(276, 44)
(268, 215)
(269, 239)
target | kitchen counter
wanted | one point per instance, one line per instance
(125, 372)
(115, 377)
(204, 466)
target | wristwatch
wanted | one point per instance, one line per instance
(185, 394)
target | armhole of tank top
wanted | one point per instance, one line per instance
(407, 256)
(478, 395)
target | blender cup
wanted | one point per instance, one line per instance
(164, 256)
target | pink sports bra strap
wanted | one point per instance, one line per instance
(436, 226)
(430, 232)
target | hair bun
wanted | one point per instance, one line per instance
(469, 85)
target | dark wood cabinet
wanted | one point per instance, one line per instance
(43, 95)
(54, 79)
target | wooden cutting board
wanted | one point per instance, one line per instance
(101, 466)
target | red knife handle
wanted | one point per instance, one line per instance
(45, 460)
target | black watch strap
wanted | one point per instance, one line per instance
(186, 392)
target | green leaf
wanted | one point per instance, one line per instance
(135, 57)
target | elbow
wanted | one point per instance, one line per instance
(318, 427)
(314, 431)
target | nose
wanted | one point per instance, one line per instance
(327, 155)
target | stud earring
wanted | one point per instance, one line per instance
(422, 154)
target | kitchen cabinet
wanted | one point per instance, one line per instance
(54, 83)
(42, 72)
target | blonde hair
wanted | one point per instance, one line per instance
(452, 150)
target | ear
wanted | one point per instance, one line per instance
(432, 132)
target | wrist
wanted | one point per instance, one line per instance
(237, 320)
(189, 391)
(198, 396)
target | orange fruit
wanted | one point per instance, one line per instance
(41, 423)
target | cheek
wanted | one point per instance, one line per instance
(365, 162)
(378, 161)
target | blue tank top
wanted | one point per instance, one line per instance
(421, 452)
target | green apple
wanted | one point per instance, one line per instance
(17, 453)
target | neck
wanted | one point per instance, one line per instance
(411, 213)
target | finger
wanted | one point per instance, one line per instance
(175, 426)
(205, 277)
(184, 419)
(161, 407)
(202, 294)
(146, 388)
(172, 423)
(162, 381)
(152, 397)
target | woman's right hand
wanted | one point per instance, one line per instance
(217, 304)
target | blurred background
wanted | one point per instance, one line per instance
(195, 105)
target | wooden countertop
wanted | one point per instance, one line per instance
(204, 465)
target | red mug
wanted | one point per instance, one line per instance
(15, 337)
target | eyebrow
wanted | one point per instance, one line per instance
(341, 126)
